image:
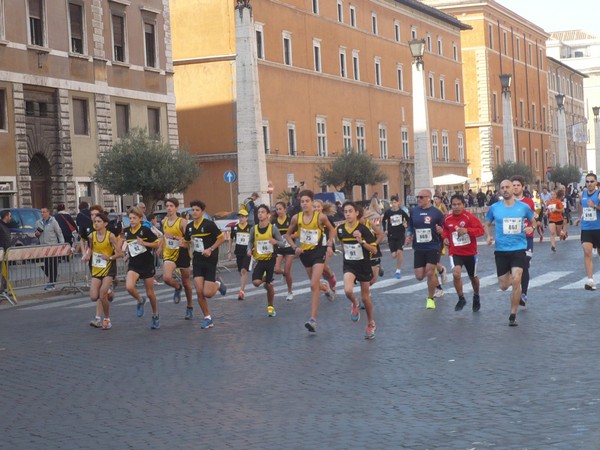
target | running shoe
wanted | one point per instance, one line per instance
(206, 323)
(222, 287)
(140, 307)
(330, 294)
(241, 295)
(476, 303)
(354, 312)
(96, 322)
(106, 324)
(311, 325)
(332, 281)
(155, 323)
(523, 300)
(553, 249)
(290, 296)
(189, 313)
(461, 303)
(49, 287)
(177, 294)
(512, 320)
(430, 303)
(444, 274)
(541, 238)
(590, 285)
(381, 271)
(370, 331)
(439, 292)
(398, 274)
(110, 295)
(271, 311)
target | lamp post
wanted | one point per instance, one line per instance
(423, 163)
(596, 110)
(563, 154)
(508, 131)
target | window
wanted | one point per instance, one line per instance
(495, 107)
(347, 134)
(287, 48)
(29, 108)
(260, 48)
(383, 150)
(518, 47)
(154, 122)
(491, 36)
(321, 137)
(431, 86)
(413, 33)
(434, 146)
(36, 22)
(122, 120)
(2, 25)
(76, 27)
(378, 71)
(353, 16)
(360, 138)
(405, 144)
(440, 47)
(265, 130)
(544, 119)
(530, 48)
(400, 78)
(356, 65)
(340, 11)
(43, 109)
(498, 155)
(386, 191)
(540, 59)
(445, 146)
(457, 91)
(374, 23)
(150, 44)
(315, 6)
(522, 112)
(291, 131)
(3, 111)
(317, 54)
(442, 89)
(461, 147)
(343, 70)
(396, 31)
(429, 42)
(536, 161)
(505, 41)
(118, 29)
(80, 117)
(455, 52)
(533, 117)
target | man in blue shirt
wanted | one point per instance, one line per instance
(590, 226)
(425, 232)
(511, 242)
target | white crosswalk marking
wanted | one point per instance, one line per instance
(579, 284)
(483, 282)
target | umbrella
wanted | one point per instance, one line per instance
(449, 180)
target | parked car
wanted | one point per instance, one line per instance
(22, 226)
(226, 220)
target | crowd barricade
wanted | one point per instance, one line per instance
(4, 295)
(223, 261)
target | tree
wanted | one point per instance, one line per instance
(508, 169)
(138, 164)
(565, 174)
(348, 170)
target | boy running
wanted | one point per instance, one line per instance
(240, 236)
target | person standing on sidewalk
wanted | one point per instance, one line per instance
(48, 231)
(5, 236)
(395, 221)
(590, 226)
(66, 223)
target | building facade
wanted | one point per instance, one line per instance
(332, 76)
(76, 76)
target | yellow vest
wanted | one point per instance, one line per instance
(170, 253)
(101, 268)
(263, 248)
(310, 235)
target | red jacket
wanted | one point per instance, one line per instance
(467, 244)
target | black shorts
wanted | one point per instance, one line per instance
(505, 261)
(395, 244)
(183, 260)
(468, 262)
(375, 262)
(557, 223)
(315, 256)
(264, 270)
(591, 236)
(286, 251)
(243, 262)
(424, 257)
(205, 270)
(112, 272)
(143, 273)
(361, 270)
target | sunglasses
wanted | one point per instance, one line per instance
(421, 197)
(590, 181)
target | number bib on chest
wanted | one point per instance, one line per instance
(396, 220)
(353, 252)
(512, 225)
(552, 207)
(97, 261)
(459, 241)
(590, 214)
(135, 249)
(242, 238)
(309, 237)
(172, 244)
(198, 244)
(264, 247)
(423, 235)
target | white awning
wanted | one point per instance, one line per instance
(449, 180)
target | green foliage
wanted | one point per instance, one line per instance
(348, 170)
(565, 174)
(140, 165)
(286, 196)
(508, 169)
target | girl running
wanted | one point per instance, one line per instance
(329, 287)
(284, 254)
(555, 217)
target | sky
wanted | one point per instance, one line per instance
(558, 15)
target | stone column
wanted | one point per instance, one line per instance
(508, 130)
(23, 177)
(423, 162)
(65, 183)
(563, 154)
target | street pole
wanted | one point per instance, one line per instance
(596, 110)
(563, 154)
(508, 131)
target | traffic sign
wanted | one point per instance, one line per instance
(270, 188)
(229, 176)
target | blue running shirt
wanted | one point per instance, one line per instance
(422, 225)
(590, 219)
(509, 233)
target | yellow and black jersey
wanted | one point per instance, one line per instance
(100, 266)
(140, 256)
(369, 225)
(282, 225)
(262, 249)
(310, 234)
(240, 235)
(354, 251)
(202, 236)
(171, 246)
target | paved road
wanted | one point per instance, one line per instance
(431, 379)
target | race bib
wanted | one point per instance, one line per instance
(198, 244)
(309, 237)
(552, 207)
(172, 244)
(589, 214)
(324, 240)
(97, 261)
(242, 238)
(459, 241)
(353, 252)
(135, 249)
(264, 247)
(512, 225)
(396, 220)
(286, 244)
(423, 235)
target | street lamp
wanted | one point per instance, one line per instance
(423, 163)
(596, 110)
(508, 131)
(563, 154)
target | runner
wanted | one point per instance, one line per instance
(311, 251)
(511, 242)
(102, 251)
(395, 221)
(139, 238)
(518, 187)
(373, 227)
(425, 224)
(440, 203)
(263, 237)
(240, 236)
(555, 217)
(284, 254)
(204, 238)
(176, 261)
(327, 288)
(590, 226)
(358, 244)
(539, 213)
(461, 230)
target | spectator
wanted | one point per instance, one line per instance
(66, 223)
(5, 237)
(145, 221)
(48, 231)
(411, 200)
(84, 219)
(374, 208)
(250, 207)
(481, 198)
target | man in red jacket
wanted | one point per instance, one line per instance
(461, 230)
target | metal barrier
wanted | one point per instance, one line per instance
(4, 295)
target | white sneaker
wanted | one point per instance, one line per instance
(590, 285)
(444, 275)
(438, 293)
(290, 296)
